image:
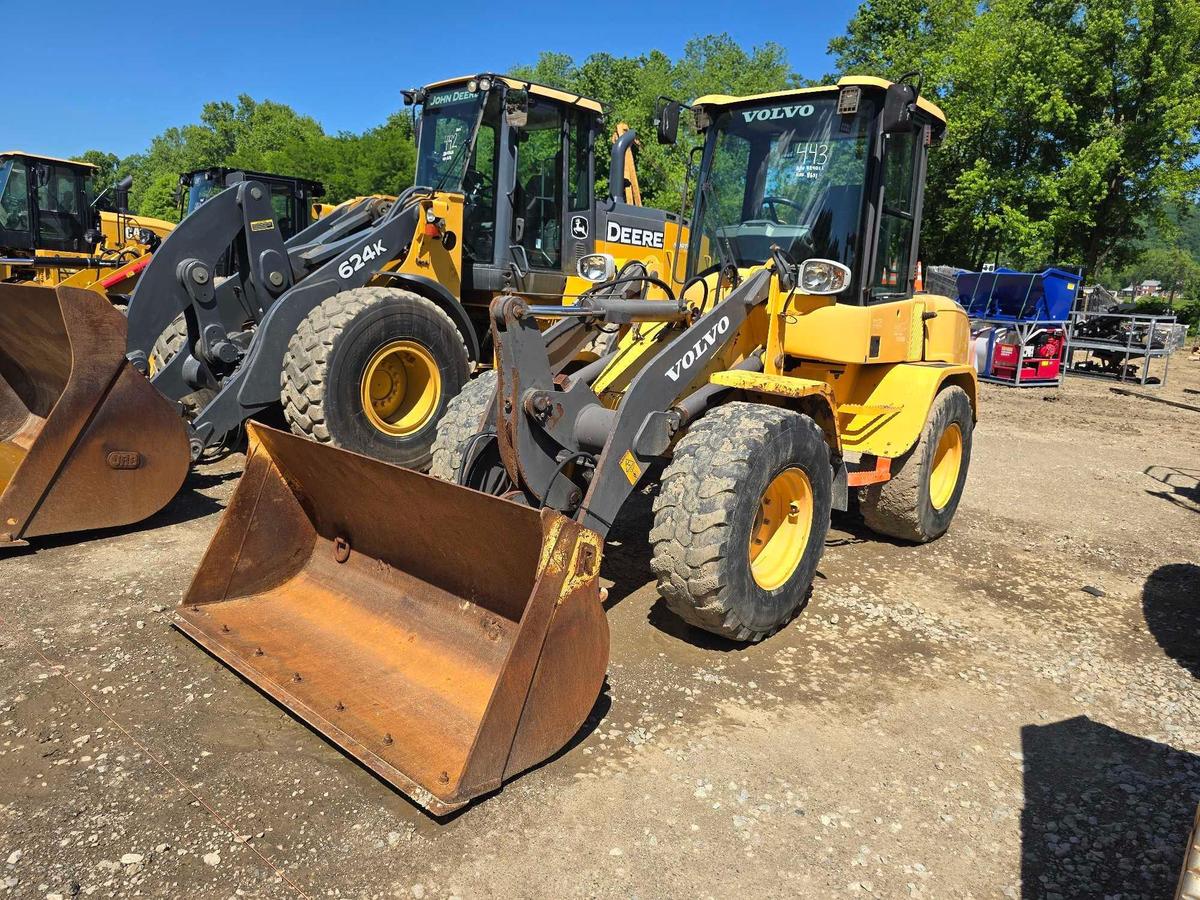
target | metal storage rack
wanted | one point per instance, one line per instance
(1140, 333)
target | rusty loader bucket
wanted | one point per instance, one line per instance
(85, 441)
(445, 638)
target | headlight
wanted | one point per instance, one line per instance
(485, 84)
(823, 276)
(472, 85)
(597, 267)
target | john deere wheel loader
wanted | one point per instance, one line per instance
(451, 635)
(364, 324)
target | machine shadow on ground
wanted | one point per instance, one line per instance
(186, 506)
(1171, 607)
(1182, 485)
(1106, 813)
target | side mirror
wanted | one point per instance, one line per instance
(898, 107)
(666, 120)
(516, 107)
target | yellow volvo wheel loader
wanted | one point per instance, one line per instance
(450, 633)
(363, 325)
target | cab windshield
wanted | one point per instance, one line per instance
(448, 121)
(202, 188)
(14, 197)
(788, 173)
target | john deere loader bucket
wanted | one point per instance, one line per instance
(447, 639)
(85, 441)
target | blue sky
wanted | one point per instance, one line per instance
(129, 74)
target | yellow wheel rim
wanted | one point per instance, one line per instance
(781, 528)
(401, 388)
(947, 462)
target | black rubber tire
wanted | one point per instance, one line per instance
(328, 354)
(705, 512)
(460, 423)
(169, 343)
(900, 507)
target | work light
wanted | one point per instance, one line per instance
(597, 267)
(823, 276)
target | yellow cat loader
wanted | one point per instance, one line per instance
(447, 629)
(364, 325)
(55, 229)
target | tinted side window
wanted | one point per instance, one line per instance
(892, 263)
(539, 188)
(578, 141)
(59, 220)
(14, 202)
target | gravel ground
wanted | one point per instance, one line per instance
(1010, 711)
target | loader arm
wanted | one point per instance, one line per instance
(542, 429)
(254, 385)
(181, 275)
(181, 278)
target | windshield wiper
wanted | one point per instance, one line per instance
(724, 245)
(444, 180)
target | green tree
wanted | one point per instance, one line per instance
(628, 86)
(1072, 122)
(106, 166)
(1173, 266)
(271, 137)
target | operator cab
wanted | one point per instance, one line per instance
(521, 155)
(46, 204)
(291, 198)
(831, 173)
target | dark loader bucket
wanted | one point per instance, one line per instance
(85, 441)
(445, 638)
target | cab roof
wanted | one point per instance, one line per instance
(865, 81)
(538, 90)
(45, 158)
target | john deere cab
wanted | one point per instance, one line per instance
(519, 161)
(292, 199)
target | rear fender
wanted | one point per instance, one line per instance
(890, 403)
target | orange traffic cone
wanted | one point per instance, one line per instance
(919, 281)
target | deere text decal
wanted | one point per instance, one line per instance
(639, 237)
(459, 96)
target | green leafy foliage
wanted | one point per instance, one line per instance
(628, 86)
(1073, 133)
(1073, 123)
(266, 137)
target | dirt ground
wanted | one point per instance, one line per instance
(1010, 711)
